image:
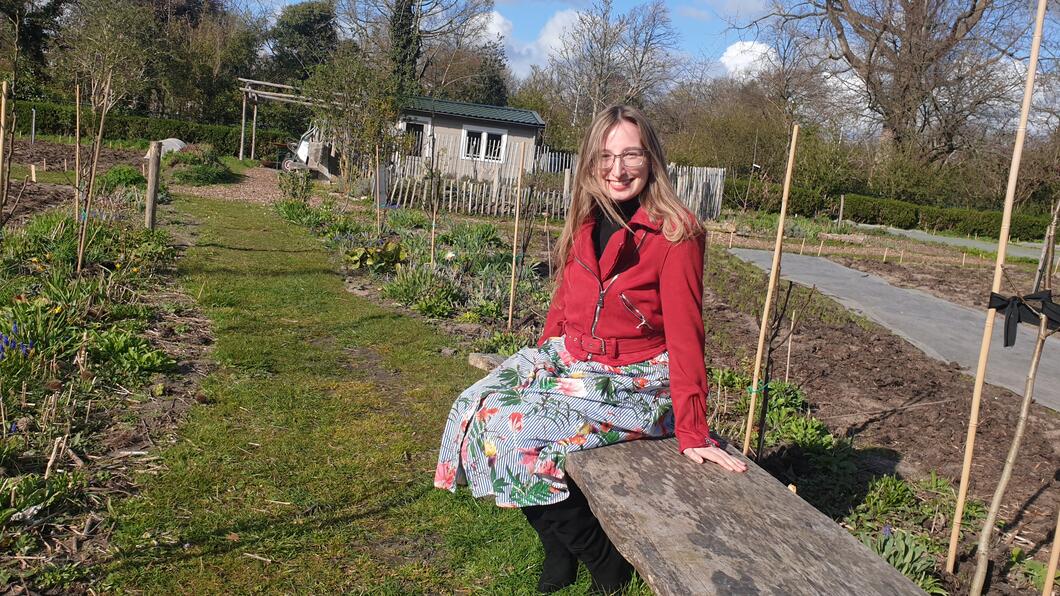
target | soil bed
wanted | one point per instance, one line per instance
(54, 153)
(868, 384)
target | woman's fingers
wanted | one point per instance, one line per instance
(716, 455)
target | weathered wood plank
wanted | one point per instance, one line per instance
(696, 529)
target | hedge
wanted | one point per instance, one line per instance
(58, 119)
(890, 212)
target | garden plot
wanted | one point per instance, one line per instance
(54, 153)
(39, 197)
(943, 330)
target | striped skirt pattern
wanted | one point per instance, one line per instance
(508, 435)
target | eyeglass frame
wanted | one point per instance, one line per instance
(622, 157)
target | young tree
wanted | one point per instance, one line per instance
(475, 73)
(357, 101)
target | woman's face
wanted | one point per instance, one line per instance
(627, 174)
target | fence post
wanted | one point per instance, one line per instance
(842, 204)
(566, 181)
(154, 156)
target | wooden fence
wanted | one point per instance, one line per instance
(700, 189)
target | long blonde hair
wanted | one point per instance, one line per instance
(658, 197)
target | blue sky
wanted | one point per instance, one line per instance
(532, 27)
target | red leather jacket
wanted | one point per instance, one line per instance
(644, 296)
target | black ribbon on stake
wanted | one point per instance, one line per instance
(1017, 311)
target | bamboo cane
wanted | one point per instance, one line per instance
(3, 135)
(988, 328)
(1054, 557)
(515, 235)
(378, 203)
(773, 276)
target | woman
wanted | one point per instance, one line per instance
(621, 356)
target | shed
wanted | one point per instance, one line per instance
(478, 141)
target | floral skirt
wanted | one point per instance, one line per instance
(509, 434)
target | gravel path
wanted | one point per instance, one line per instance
(258, 186)
(943, 330)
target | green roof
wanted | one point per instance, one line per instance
(431, 105)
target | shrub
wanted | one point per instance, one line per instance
(120, 176)
(59, 120)
(296, 185)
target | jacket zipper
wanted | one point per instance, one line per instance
(635, 312)
(599, 299)
(603, 290)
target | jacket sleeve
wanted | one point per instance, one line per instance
(554, 320)
(681, 295)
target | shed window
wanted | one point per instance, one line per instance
(484, 144)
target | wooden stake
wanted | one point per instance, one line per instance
(1054, 557)
(820, 248)
(32, 172)
(548, 247)
(154, 155)
(730, 238)
(3, 137)
(791, 337)
(964, 258)
(77, 151)
(774, 274)
(988, 328)
(243, 127)
(803, 246)
(515, 235)
(901, 257)
(885, 249)
(376, 187)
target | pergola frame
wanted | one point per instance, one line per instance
(258, 90)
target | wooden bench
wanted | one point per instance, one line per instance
(696, 529)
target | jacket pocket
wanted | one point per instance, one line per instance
(633, 310)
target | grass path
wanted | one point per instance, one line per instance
(311, 470)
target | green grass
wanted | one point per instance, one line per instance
(239, 166)
(86, 141)
(318, 450)
(20, 172)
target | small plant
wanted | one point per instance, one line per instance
(121, 176)
(890, 500)
(127, 353)
(378, 259)
(409, 284)
(1031, 570)
(296, 185)
(407, 219)
(504, 343)
(908, 554)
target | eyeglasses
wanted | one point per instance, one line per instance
(632, 158)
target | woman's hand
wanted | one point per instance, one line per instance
(716, 455)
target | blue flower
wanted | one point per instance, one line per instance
(888, 530)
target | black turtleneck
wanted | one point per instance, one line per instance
(605, 228)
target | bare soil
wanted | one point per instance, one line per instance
(968, 285)
(54, 153)
(868, 384)
(36, 198)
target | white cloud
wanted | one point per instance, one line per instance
(522, 55)
(746, 58)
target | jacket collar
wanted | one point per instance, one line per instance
(620, 248)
